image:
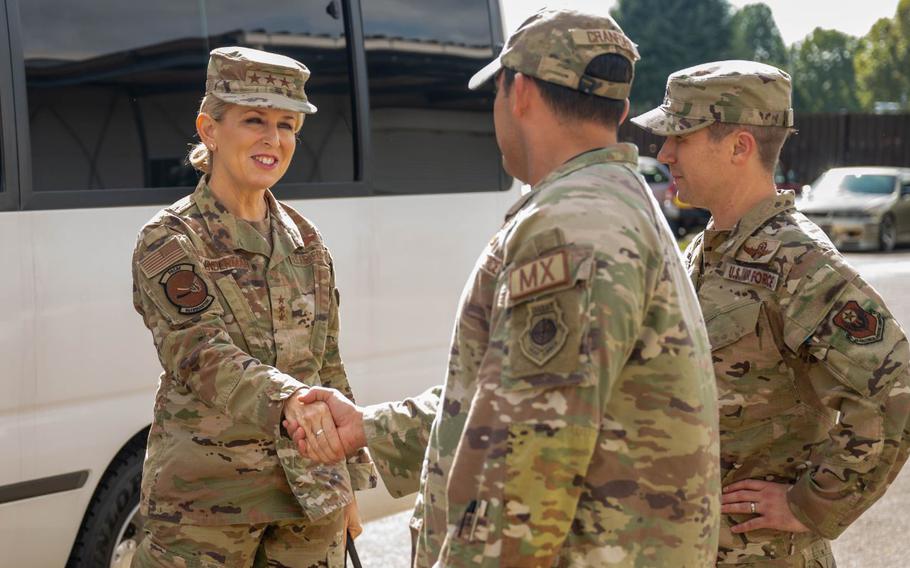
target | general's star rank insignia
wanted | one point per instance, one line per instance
(185, 289)
(862, 326)
(545, 333)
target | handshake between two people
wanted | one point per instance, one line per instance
(325, 425)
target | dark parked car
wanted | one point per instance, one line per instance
(681, 216)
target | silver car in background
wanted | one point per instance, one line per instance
(864, 208)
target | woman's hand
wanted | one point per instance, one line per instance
(315, 422)
(352, 522)
(764, 499)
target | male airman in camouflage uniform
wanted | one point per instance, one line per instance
(812, 369)
(577, 425)
(242, 318)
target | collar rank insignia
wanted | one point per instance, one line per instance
(750, 275)
(862, 326)
(185, 289)
(757, 250)
(545, 333)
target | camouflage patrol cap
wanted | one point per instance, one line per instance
(557, 45)
(255, 78)
(734, 92)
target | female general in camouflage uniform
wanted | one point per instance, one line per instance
(238, 291)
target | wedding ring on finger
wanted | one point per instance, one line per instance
(320, 432)
(751, 504)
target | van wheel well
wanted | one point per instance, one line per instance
(111, 509)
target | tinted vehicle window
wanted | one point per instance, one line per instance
(856, 183)
(311, 32)
(430, 134)
(113, 87)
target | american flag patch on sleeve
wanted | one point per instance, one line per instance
(156, 261)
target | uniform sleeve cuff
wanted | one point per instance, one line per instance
(363, 473)
(285, 387)
(398, 476)
(821, 515)
(373, 423)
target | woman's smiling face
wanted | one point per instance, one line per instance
(253, 146)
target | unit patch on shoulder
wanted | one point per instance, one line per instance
(538, 275)
(545, 333)
(159, 259)
(186, 289)
(862, 326)
(758, 250)
(750, 275)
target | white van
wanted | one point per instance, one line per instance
(399, 169)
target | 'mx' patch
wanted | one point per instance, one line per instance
(545, 333)
(750, 275)
(544, 273)
(862, 326)
(758, 250)
(185, 289)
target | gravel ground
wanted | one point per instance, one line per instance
(386, 542)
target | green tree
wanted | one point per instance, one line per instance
(822, 70)
(671, 35)
(754, 36)
(882, 62)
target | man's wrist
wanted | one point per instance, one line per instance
(293, 396)
(360, 440)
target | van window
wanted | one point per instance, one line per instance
(114, 87)
(312, 33)
(424, 120)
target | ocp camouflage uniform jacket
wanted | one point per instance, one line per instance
(238, 328)
(797, 336)
(578, 422)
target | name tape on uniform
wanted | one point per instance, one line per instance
(597, 37)
(224, 263)
(751, 275)
(159, 259)
(539, 275)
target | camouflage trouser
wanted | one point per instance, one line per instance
(294, 544)
(816, 555)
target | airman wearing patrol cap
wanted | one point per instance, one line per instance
(238, 291)
(811, 367)
(578, 422)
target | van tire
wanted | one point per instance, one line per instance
(110, 509)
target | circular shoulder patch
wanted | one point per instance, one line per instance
(186, 289)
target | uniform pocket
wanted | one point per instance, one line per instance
(732, 323)
(310, 307)
(253, 336)
(545, 343)
(546, 331)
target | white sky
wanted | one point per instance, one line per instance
(795, 18)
